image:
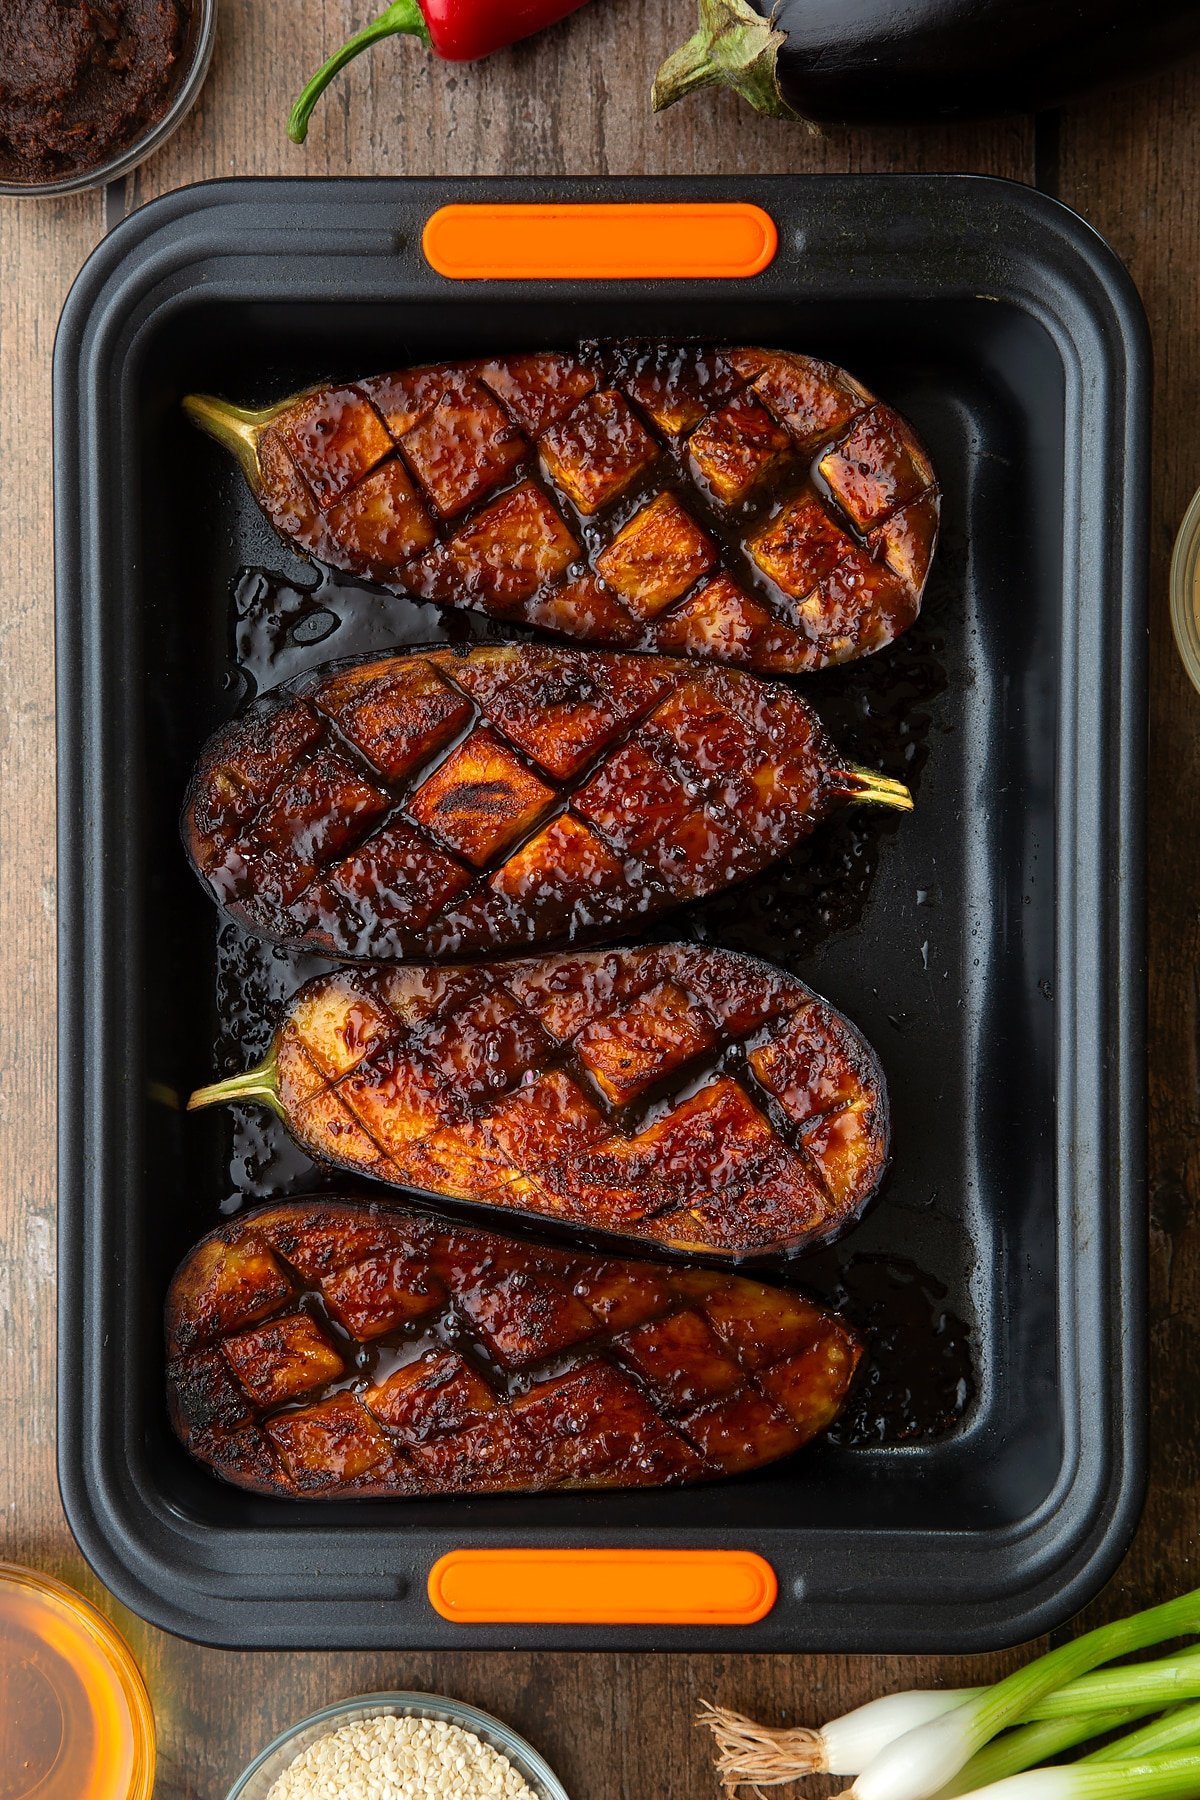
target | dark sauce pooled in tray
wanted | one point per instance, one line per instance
(917, 1382)
(285, 626)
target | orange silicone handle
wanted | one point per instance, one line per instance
(602, 1587)
(700, 240)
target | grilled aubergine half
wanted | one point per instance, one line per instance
(686, 1096)
(751, 505)
(451, 803)
(320, 1349)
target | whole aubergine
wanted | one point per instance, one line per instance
(872, 61)
(749, 505)
(320, 1350)
(444, 803)
(680, 1094)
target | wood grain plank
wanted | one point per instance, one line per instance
(574, 101)
(42, 244)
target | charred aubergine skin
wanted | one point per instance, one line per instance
(681, 1095)
(753, 506)
(446, 804)
(326, 1350)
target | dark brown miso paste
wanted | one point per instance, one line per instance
(80, 80)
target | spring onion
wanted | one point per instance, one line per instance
(763, 1755)
(1146, 1686)
(768, 1756)
(1030, 1745)
(1174, 1777)
(844, 1746)
(1168, 1733)
(927, 1758)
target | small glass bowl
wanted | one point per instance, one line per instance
(78, 1724)
(197, 56)
(1185, 589)
(256, 1782)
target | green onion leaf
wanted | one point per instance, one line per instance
(917, 1765)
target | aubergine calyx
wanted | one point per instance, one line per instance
(735, 47)
(236, 428)
(259, 1085)
(877, 790)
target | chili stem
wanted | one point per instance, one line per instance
(403, 18)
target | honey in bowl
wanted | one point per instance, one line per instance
(75, 1718)
(1185, 590)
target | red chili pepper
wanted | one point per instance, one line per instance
(458, 30)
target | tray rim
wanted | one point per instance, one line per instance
(154, 249)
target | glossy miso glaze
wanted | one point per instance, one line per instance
(451, 803)
(753, 506)
(325, 1349)
(683, 1095)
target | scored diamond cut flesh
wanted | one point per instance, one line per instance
(754, 506)
(681, 1095)
(323, 1349)
(449, 803)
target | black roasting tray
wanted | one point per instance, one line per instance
(991, 945)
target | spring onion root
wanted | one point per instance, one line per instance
(762, 1755)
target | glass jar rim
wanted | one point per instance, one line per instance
(409, 1704)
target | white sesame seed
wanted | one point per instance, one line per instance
(384, 1757)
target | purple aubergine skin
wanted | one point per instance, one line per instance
(866, 61)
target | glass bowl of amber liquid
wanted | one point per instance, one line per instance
(1185, 589)
(75, 1718)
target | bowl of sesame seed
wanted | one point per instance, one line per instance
(399, 1747)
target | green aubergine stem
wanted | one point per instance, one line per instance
(403, 18)
(735, 47)
(879, 790)
(236, 428)
(261, 1084)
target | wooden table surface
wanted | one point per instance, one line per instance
(573, 102)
